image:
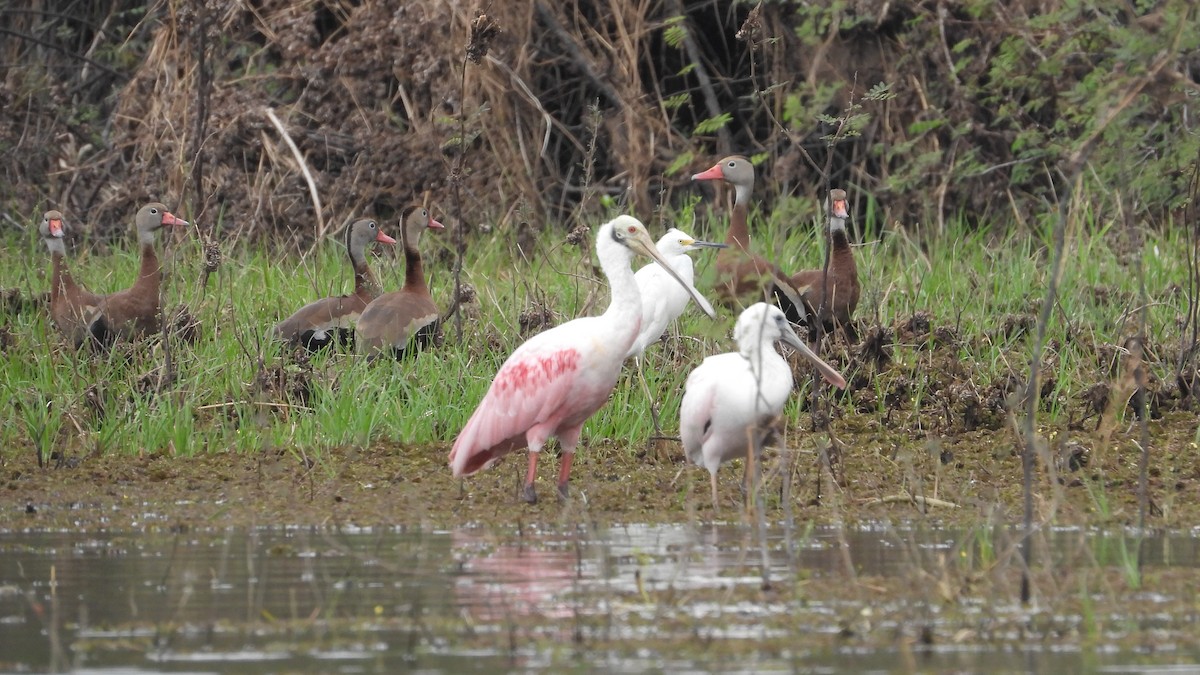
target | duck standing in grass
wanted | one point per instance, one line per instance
(663, 299)
(730, 398)
(741, 273)
(559, 378)
(134, 312)
(837, 300)
(392, 319)
(74, 309)
(320, 322)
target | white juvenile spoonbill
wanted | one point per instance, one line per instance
(728, 396)
(663, 299)
(558, 378)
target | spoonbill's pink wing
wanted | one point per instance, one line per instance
(535, 386)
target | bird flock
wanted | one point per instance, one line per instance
(82, 316)
(556, 380)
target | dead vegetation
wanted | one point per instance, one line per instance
(110, 105)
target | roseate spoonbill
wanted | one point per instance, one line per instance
(73, 308)
(837, 303)
(728, 397)
(558, 378)
(663, 299)
(318, 323)
(134, 312)
(391, 319)
(740, 272)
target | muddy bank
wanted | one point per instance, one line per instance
(970, 478)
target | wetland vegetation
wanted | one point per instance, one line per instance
(946, 328)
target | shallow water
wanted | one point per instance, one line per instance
(626, 599)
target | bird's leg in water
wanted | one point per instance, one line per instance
(564, 474)
(529, 494)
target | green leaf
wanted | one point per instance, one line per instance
(683, 160)
(713, 124)
(677, 101)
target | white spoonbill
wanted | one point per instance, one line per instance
(663, 299)
(558, 378)
(728, 396)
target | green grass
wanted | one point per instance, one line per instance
(974, 282)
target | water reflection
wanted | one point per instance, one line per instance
(501, 581)
(622, 598)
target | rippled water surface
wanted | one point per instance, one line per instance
(627, 599)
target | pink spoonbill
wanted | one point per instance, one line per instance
(558, 378)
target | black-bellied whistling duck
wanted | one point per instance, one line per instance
(742, 274)
(837, 304)
(318, 323)
(390, 320)
(134, 312)
(74, 309)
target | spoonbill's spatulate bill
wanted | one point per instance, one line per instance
(558, 378)
(729, 396)
(663, 299)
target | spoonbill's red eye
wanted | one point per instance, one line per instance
(632, 229)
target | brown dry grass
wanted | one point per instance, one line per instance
(109, 105)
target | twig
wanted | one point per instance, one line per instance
(308, 177)
(724, 143)
(203, 87)
(912, 499)
(60, 50)
(265, 404)
(1189, 338)
(549, 119)
(577, 56)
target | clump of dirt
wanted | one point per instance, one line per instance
(287, 380)
(580, 235)
(154, 381)
(945, 337)
(535, 318)
(14, 303)
(875, 348)
(1015, 325)
(525, 242)
(1094, 400)
(93, 400)
(915, 329)
(183, 325)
